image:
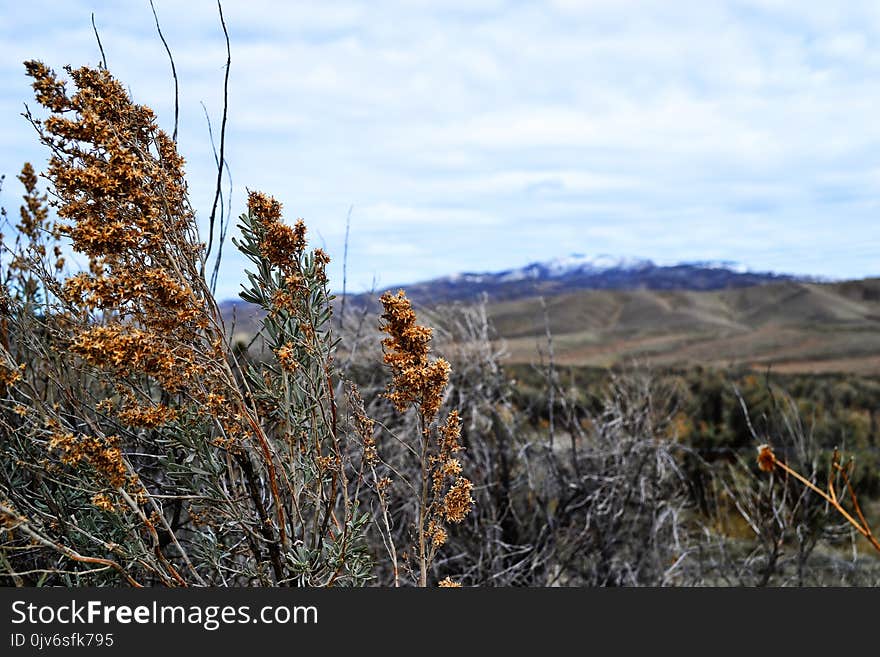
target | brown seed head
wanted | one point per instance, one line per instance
(415, 378)
(458, 502)
(766, 458)
(447, 583)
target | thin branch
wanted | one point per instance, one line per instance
(858, 508)
(345, 270)
(100, 47)
(766, 456)
(213, 216)
(745, 410)
(24, 526)
(551, 373)
(225, 214)
(173, 72)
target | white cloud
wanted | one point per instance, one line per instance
(536, 128)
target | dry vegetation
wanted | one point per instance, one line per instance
(137, 444)
(140, 445)
(797, 327)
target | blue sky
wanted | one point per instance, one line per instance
(473, 135)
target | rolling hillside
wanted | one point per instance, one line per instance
(579, 272)
(791, 326)
(605, 311)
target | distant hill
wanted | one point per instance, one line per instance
(579, 272)
(562, 275)
(790, 326)
(604, 311)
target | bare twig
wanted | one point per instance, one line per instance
(551, 374)
(212, 219)
(100, 47)
(225, 213)
(767, 460)
(345, 271)
(173, 72)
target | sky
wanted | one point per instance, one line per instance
(482, 135)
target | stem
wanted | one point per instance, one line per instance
(67, 552)
(832, 500)
(423, 505)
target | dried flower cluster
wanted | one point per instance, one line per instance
(284, 248)
(143, 309)
(281, 245)
(34, 224)
(103, 502)
(457, 502)
(148, 417)
(35, 244)
(296, 394)
(419, 381)
(9, 376)
(364, 426)
(447, 583)
(101, 452)
(34, 213)
(286, 357)
(120, 185)
(416, 379)
(187, 461)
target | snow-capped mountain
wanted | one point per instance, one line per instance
(560, 275)
(576, 263)
(579, 272)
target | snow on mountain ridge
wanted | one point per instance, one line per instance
(576, 263)
(730, 265)
(579, 263)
